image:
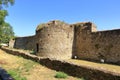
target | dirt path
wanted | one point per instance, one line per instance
(28, 68)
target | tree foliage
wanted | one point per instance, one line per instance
(6, 3)
(3, 14)
(6, 31)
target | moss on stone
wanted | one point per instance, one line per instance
(40, 26)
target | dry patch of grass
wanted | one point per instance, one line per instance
(99, 66)
(23, 69)
(2, 62)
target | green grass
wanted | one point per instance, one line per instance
(24, 67)
(28, 65)
(16, 75)
(61, 75)
(82, 78)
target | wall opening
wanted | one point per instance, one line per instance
(37, 47)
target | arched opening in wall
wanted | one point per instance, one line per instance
(37, 47)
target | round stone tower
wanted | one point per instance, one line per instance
(54, 40)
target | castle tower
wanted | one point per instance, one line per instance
(54, 40)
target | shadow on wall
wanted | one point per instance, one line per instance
(74, 56)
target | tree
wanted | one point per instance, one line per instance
(3, 14)
(6, 3)
(6, 31)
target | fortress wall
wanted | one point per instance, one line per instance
(106, 44)
(58, 40)
(82, 46)
(55, 41)
(27, 43)
(97, 45)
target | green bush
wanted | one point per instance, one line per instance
(61, 75)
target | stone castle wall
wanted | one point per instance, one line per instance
(82, 40)
(27, 43)
(106, 45)
(52, 40)
(95, 46)
(62, 41)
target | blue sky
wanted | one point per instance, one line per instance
(25, 15)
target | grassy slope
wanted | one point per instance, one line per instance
(23, 69)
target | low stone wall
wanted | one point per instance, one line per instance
(67, 67)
